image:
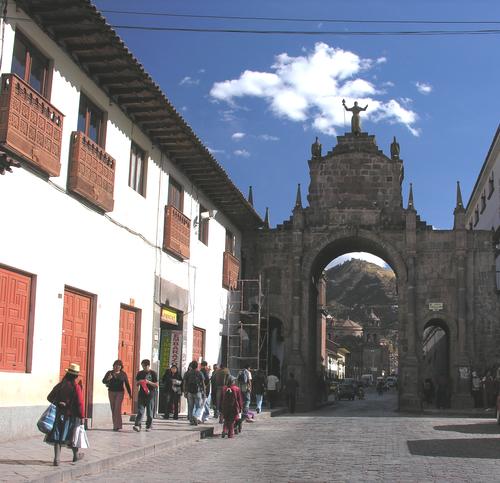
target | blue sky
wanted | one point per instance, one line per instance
(258, 101)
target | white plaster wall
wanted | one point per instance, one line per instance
(50, 234)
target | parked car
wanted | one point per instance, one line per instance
(391, 381)
(346, 391)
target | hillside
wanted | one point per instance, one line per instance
(356, 287)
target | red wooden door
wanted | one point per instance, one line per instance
(14, 314)
(75, 335)
(127, 351)
(198, 344)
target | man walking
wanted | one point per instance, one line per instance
(272, 389)
(291, 388)
(147, 380)
(205, 372)
(245, 384)
(259, 385)
(194, 389)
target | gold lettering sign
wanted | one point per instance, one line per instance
(168, 316)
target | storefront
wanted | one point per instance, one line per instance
(170, 345)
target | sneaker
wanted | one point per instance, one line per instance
(223, 435)
(258, 410)
(136, 428)
(195, 422)
(148, 429)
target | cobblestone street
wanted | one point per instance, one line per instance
(352, 441)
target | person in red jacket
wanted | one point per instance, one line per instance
(68, 398)
(231, 407)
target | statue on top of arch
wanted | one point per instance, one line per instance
(355, 120)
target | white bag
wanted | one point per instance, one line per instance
(80, 439)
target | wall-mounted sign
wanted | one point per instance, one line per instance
(169, 316)
(436, 306)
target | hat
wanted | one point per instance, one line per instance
(73, 369)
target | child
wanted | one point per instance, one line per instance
(231, 409)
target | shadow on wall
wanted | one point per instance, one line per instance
(456, 448)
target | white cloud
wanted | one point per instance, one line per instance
(359, 256)
(423, 87)
(309, 89)
(201, 71)
(238, 135)
(241, 152)
(189, 81)
(268, 137)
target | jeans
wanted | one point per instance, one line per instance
(258, 400)
(247, 396)
(145, 405)
(195, 407)
(206, 408)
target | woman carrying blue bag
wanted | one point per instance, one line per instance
(67, 396)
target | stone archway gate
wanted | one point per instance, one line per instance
(355, 204)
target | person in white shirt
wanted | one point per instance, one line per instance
(273, 384)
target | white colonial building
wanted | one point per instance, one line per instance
(120, 233)
(483, 208)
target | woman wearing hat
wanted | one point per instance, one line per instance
(68, 398)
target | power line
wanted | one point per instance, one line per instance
(298, 19)
(312, 32)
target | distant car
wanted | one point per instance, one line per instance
(391, 381)
(346, 391)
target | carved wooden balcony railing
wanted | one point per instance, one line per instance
(30, 127)
(176, 232)
(230, 271)
(91, 172)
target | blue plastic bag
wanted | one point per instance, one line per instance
(47, 419)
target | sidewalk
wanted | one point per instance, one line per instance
(31, 459)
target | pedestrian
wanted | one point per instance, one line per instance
(205, 372)
(291, 388)
(194, 388)
(221, 378)
(213, 389)
(116, 381)
(230, 409)
(259, 385)
(67, 396)
(476, 389)
(147, 381)
(273, 384)
(172, 386)
(245, 385)
(489, 391)
(428, 391)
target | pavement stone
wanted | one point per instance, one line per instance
(351, 441)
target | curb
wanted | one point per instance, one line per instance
(107, 463)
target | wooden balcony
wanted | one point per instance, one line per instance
(230, 271)
(176, 232)
(30, 127)
(91, 172)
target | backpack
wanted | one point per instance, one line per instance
(243, 377)
(192, 383)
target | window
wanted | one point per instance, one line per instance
(30, 65)
(203, 220)
(229, 242)
(483, 201)
(91, 121)
(476, 216)
(138, 170)
(175, 195)
(491, 185)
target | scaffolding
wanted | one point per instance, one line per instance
(247, 326)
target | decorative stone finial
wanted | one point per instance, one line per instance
(460, 203)
(355, 120)
(394, 149)
(411, 206)
(298, 198)
(250, 195)
(266, 218)
(316, 149)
